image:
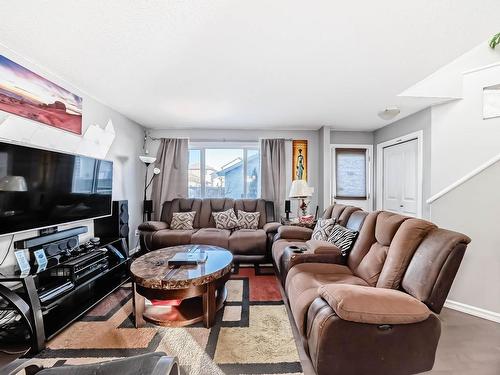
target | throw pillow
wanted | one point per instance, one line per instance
(343, 238)
(225, 219)
(248, 220)
(182, 220)
(323, 229)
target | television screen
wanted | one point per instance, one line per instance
(40, 188)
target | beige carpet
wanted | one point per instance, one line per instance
(252, 334)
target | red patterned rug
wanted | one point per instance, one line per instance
(252, 334)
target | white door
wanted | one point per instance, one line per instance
(400, 178)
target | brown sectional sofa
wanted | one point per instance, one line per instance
(374, 311)
(247, 245)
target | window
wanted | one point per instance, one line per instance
(350, 173)
(219, 172)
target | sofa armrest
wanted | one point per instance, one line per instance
(322, 247)
(271, 227)
(291, 232)
(365, 304)
(153, 226)
(332, 258)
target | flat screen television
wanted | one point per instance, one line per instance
(41, 188)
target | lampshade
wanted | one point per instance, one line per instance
(13, 183)
(146, 159)
(300, 189)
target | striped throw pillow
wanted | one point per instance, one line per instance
(343, 238)
(323, 229)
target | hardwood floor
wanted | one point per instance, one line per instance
(468, 345)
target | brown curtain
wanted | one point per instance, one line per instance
(172, 159)
(273, 173)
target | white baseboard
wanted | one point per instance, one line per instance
(472, 310)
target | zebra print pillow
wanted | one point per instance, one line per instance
(323, 229)
(343, 238)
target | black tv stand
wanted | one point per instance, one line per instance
(51, 317)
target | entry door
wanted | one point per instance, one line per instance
(400, 178)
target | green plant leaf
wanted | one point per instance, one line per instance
(495, 41)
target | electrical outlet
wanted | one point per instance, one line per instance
(137, 232)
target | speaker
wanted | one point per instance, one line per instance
(287, 206)
(115, 226)
(287, 209)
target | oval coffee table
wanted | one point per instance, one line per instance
(200, 289)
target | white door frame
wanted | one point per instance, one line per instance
(369, 171)
(419, 136)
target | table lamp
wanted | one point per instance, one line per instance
(300, 190)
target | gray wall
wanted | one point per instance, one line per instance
(211, 135)
(127, 169)
(418, 121)
(473, 209)
(351, 138)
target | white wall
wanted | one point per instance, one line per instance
(127, 145)
(461, 142)
(254, 135)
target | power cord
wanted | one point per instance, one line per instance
(8, 250)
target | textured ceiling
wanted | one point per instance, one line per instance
(279, 64)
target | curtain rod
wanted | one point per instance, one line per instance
(217, 140)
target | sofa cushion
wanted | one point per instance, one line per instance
(248, 220)
(225, 219)
(293, 232)
(254, 205)
(248, 242)
(153, 226)
(343, 238)
(211, 236)
(408, 237)
(323, 229)
(363, 304)
(321, 247)
(210, 205)
(303, 281)
(182, 220)
(279, 247)
(171, 237)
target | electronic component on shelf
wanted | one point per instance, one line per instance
(82, 266)
(54, 292)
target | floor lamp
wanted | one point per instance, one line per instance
(148, 203)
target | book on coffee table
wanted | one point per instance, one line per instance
(183, 259)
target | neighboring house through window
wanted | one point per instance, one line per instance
(230, 170)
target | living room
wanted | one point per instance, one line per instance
(251, 188)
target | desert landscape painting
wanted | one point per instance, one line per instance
(29, 95)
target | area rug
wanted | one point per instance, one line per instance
(252, 333)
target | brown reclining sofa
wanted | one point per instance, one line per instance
(374, 311)
(247, 245)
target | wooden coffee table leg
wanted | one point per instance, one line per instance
(139, 305)
(209, 307)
